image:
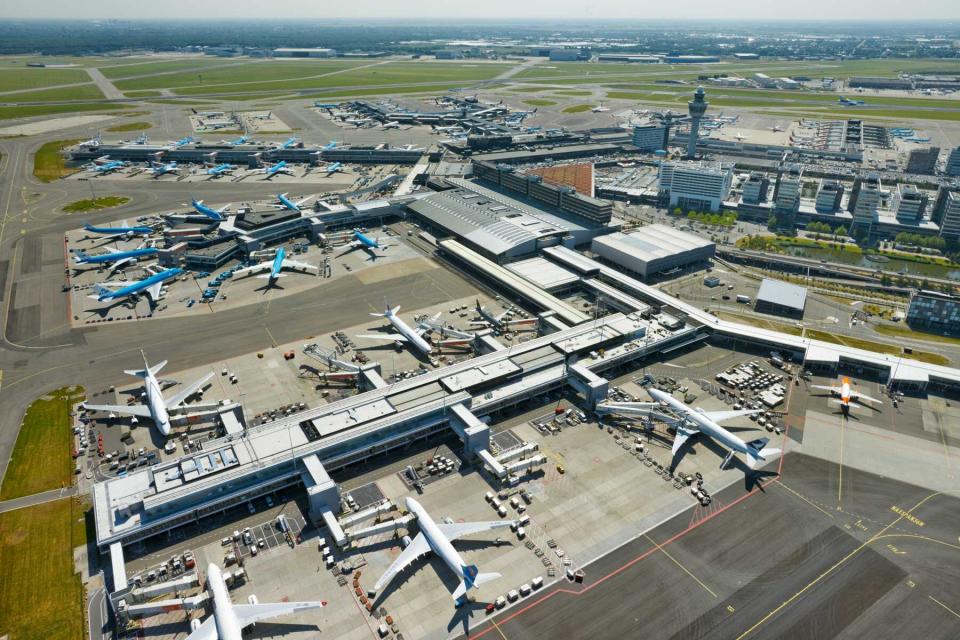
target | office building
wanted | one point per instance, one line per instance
(697, 107)
(829, 196)
(953, 163)
(909, 204)
(865, 200)
(695, 186)
(651, 137)
(754, 189)
(923, 161)
(653, 249)
(946, 212)
(786, 195)
(933, 311)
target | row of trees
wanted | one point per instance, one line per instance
(722, 219)
(917, 240)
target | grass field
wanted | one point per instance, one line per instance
(131, 126)
(578, 108)
(48, 164)
(41, 597)
(539, 102)
(106, 202)
(877, 347)
(754, 321)
(571, 92)
(163, 66)
(143, 94)
(907, 332)
(30, 111)
(245, 72)
(41, 458)
(37, 78)
(60, 94)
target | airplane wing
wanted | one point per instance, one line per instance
(177, 399)
(298, 266)
(249, 271)
(720, 416)
(138, 410)
(206, 631)
(154, 290)
(118, 263)
(392, 337)
(682, 436)
(860, 396)
(460, 529)
(418, 547)
(824, 387)
(250, 613)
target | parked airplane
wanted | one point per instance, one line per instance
(391, 125)
(95, 141)
(404, 332)
(208, 114)
(220, 169)
(274, 169)
(330, 146)
(240, 140)
(229, 620)
(846, 397)
(214, 125)
(156, 407)
(288, 143)
(285, 203)
(331, 169)
(278, 264)
(159, 169)
(365, 243)
(213, 214)
(689, 422)
(437, 537)
(150, 285)
(498, 322)
(124, 230)
(600, 108)
(114, 258)
(182, 141)
(104, 165)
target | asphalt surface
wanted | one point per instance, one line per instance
(772, 563)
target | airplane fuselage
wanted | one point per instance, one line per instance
(412, 336)
(277, 265)
(114, 257)
(438, 542)
(140, 286)
(158, 409)
(705, 425)
(228, 627)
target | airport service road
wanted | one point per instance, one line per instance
(778, 562)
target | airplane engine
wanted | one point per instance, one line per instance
(448, 520)
(134, 420)
(195, 624)
(253, 600)
(405, 541)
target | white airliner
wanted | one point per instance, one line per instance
(437, 537)
(690, 422)
(229, 620)
(275, 266)
(405, 333)
(846, 397)
(156, 408)
(498, 322)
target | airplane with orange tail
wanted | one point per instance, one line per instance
(846, 397)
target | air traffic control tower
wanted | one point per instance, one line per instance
(697, 106)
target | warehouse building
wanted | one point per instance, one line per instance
(653, 249)
(306, 52)
(781, 298)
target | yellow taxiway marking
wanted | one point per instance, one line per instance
(685, 570)
(499, 630)
(823, 511)
(272, 339)
(833, 568)
(945, 606)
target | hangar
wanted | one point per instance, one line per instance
(653, 249)
(781, 298)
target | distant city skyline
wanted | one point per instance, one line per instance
(812, 10)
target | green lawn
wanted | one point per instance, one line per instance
(106, 202)
(143, 94)
(538, 102)
(60, 94)
(162, 66)
(29, 111)
(877, 347)
(755, 321)
(36, 78)
(578, 108)
(42, 459)
(131, 126)
(571, 92)
(246, 72)
(48, 163)
(907, 332)
(41, 597)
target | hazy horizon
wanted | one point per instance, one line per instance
(539, 10)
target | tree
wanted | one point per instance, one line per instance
(772, 222)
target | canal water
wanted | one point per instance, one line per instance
(860, 260)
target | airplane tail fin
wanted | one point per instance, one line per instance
(142, 373)
(100, 291)
(756, 452)
(472, 578)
